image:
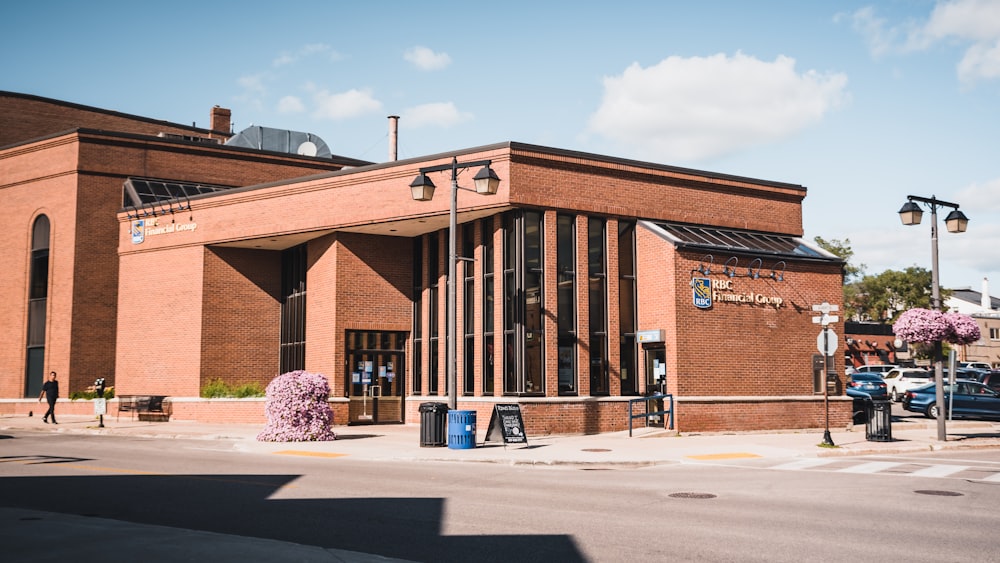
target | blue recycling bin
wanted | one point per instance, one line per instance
(461, 430)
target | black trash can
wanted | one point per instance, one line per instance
(432, 424)
(878, 427)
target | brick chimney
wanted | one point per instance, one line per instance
(221, 123)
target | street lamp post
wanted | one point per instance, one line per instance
(956, 222)
(422, 189)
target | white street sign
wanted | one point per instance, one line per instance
(826, 342)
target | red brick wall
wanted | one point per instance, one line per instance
(24, 117)
(160, 308)
(613, 188)
(95, 282)
(241, 316)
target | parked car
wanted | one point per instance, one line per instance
(976, 365)
(866, 385)
(880, 368)
(967, 399)
(900, 380)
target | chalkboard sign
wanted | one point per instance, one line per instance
(506, 424)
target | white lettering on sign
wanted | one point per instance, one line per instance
(751, 297)
(152, 228)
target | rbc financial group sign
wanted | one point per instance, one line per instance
(706, 293)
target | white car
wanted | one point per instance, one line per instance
(975, 365)
(881, 368)
(900, 380)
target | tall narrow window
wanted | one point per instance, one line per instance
(418, 317)
(627, 307)
(38, 296)
(597, 281)
(512, 298)
(433, 315)
(523, 303)
(534, 335)
(566, 307)
(469, 308)
(293, 309)
(488, 302)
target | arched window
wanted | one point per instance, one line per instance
(38, 294)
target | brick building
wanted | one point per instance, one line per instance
(584, 282)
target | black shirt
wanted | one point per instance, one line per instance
(51, 389)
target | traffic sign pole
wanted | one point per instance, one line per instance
(826, 343)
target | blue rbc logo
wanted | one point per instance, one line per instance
(138, 234)
(702, 292)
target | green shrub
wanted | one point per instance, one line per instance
(217, 388)
(109, 393)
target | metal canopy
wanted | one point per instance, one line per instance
(748, 242)
(141, 192)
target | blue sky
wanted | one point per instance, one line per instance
(863, 103)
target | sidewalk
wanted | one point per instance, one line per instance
(647, 446)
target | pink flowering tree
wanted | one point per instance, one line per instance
(297, 409)
(927, 326)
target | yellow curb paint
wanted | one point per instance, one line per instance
(736, 455)
(310, 454)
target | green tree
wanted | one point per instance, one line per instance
(881, 298)
(843, 250)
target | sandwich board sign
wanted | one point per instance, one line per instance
(506, 424)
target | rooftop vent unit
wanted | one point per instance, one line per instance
(280, 140)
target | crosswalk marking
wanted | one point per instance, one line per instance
(807, 463)
(939, 471)
(870, 467)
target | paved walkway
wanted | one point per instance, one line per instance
(647, 446)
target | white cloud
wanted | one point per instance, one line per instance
(442, 114)
(880, 36)
(974, 23)
(252, 83)
(426, 59)
(981, 197)
(290, 104)
(352, 103)
(288, 58)
(700, 107)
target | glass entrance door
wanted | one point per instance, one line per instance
(375, 377)
(656, 368)
(656, 378)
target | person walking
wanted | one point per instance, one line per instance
(50, 390)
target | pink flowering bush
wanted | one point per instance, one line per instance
(926, 325)
(297, 409)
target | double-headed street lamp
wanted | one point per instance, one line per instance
(956, 222)
(422, 189)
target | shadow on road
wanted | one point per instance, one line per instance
(405, 528)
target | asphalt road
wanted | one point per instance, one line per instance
(709, 510)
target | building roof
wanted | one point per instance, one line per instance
(974, 297)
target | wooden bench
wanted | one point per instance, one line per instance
(147, 407)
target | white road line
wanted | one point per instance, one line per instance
(804, 464)
(870, 467)
(938, 471)
(994, 478)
